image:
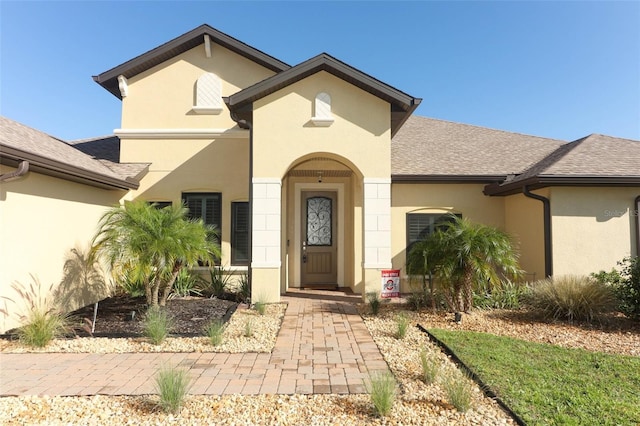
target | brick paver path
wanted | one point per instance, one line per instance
(323, 347)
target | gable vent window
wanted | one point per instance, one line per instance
(208, 94)
(322, 110)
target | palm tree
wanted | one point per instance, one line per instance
(152, 245)
(462, 255)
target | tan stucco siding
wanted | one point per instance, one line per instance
(593, 228)
(163, 96)
(466, 199)
(284, 132)
(525, 222)
(41, 219)
(179, 166)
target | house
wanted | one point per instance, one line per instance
(319, 174)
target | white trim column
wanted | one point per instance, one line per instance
(266, 219)
(377, 223)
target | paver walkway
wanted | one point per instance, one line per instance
(323, 347)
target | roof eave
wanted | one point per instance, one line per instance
(402, 104)
(11, 156)
(404, 178)
(543, 181)
(189, 40)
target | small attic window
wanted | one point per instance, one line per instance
(208, 94)
(322, 110)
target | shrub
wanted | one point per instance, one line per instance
(217, 284)
(374, 302)
(131, 286)
(215, 331)
(157, 324)
(571, 297)
(382, 388)
(172, 385)
(625, 284)
(507, 295)
(430, 366)
(402, 323)
(185, 285)
(459, 390)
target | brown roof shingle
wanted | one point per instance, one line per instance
(50, 155)
(426, 147)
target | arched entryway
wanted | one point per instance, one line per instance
(322, 194)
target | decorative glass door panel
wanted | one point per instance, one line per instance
(318, 259)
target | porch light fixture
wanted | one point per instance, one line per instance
(319, 177)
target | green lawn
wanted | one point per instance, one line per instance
(550, 385)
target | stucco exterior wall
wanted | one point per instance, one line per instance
(524, 220)
(55, 216)
(592, 228)
(284, 133)
(359, 137)
(163, 96)
(466, 199)
(179, 166)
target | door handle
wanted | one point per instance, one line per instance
(304, 252)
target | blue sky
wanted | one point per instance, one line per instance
(554, 69)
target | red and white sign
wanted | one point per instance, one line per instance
(390, 283)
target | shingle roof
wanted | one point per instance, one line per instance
(598, 155)
(51, 155)
(106, 149)
(592, 160)
(427, 148)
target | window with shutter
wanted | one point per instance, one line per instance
(421, 225)
(208, 207)
(239, 233)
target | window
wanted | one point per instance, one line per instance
(208, 207)
(240, 233)
(421, 225)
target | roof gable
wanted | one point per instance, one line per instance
(402, 104)
(187, 41)
(592, 160)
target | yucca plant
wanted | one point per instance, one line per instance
(571, 297)
(186, 284)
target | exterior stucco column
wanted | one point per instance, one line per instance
(377, 230)
(265, 244)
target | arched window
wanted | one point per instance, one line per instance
(322, 110)
(208, 94)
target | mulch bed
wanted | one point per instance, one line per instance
(123, 315)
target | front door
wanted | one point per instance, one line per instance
(319, 248)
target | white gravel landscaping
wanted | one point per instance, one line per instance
(417, 403)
